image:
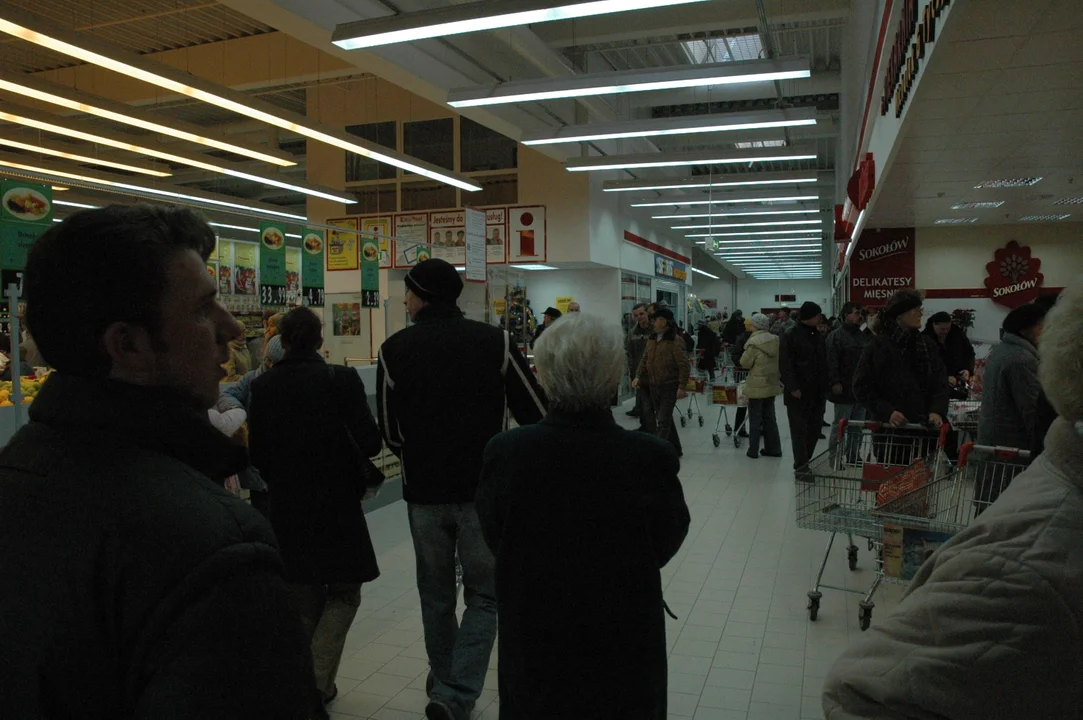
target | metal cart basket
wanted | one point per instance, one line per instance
(724, 393)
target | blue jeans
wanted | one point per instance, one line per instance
(458, 654)
(855, 413)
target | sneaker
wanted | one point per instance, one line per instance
(440, 710)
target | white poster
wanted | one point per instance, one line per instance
(449, 236)
(475, 245)
(526, 234)
(496, 235)
(412, 237)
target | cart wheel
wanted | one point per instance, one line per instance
(689, 413)
(864, 616)
(729, 431)
(851, 555)
(683, 421)
(736, 440)
(813, 605)
(701, 422)
(716, 440)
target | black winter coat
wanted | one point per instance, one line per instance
(803, 365)
(297, 438)
(710, 346)
(956, 352)
(444, 386)
(844, 347)
(887, 380)
(581, 515)
(133, 585)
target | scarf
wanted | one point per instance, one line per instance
(912, 344)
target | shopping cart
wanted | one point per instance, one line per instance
(838, 493)
(922, 518)
(697, 385)
(724, 394)
(963, 416)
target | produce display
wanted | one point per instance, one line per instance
(30, 387)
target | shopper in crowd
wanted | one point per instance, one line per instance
(444, 385)
(990, 625)
(737, 350)
(844, 348)
(663, 372)
(635, 345)
(734, 327)
(317, 481)
(803, 364)
(240, 362)
(1010, 386)
(710, 347)
(956, 352)
(900, 379)
(715, 323)
(134, 585)
(582, 631)
(550, 316)
(574, 307)
(873, 322)
(762, 386)
(1044, 413)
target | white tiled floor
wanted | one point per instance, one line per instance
(742, 648)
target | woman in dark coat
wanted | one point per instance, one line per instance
(710, 347)
(579, 592)
(309, 424)
(955, 349)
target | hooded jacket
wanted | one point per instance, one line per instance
(761, 358)
(1010, 391)
(992, 625)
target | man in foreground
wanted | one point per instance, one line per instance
(635, 345)
(135, 585)
(444, 387)
(803, 363)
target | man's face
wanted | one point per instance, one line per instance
(413, 304)
(660, 324)
(196, 331)
(856, 317)
(641, 317)
(547, 320)
(942, 330)
(912, 318)
(573, 307)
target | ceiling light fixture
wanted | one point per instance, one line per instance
(977, 205)
(707, 274)
(770, 246)
(735, 214)
(476, 17)
(758, 232)
(83, 158)
(534, 266)
(768, 240)
(701, 157)
(674, 126)
(41, 32)
(63, 129)
(676, 202)
(1008, 183)
(68, 203)
(1043, 218)
(630, 81)
(756, 224)
(696, 183)
(1070, 201)
(955, 221)
(142, 189)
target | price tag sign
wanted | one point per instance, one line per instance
(370, 298)
(273, 295)
(312, 253)
(272, 263)
(313, 296)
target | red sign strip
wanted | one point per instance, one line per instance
(656, 248)
(959, 293)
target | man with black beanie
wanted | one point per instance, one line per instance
(803, 364)
(444, 386)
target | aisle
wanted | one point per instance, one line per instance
(742, 648)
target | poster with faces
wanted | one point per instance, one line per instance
(496, 235)
(448, 231)
(526, 234)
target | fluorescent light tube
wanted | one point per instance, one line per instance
(233, 227)
(771, 246)
(768, 240)
(758, 232)
(476, 17)
(723, 122)
(707, 274)
(720, 181)
(191, 162)
(69, 203)
(533, 266)
(757, 224)
(83, 158)
(145, 190)
(629, 81)
(42, 32)
(690, 216)
(722, 201)
(702, 157)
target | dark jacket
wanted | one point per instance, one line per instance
(803, 364)
(844, 347)
(737, 349)
(733, 328)
(1010, 391)
(134, 585)
(665, 361)
(886, 380)
(582, 632)
(298, 441)
(637, 345)
(444, 386)
(956, 352)
(710, 346)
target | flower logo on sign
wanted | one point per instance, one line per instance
(1013, 276)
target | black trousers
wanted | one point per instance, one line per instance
(657, 413)
(806, 424)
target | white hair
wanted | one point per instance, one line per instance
(580, 361)
(1061, 350)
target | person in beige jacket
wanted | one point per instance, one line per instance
(663, 371)
(762, 386)
(992, 625)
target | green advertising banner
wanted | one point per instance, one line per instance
(370, 272)
(272, 263)
(15, 242)
(26, 203)
(312, 249)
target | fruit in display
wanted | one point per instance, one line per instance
(30, 388)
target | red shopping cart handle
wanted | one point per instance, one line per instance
(1000, 452)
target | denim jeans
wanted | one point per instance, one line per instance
(853, 413)
(761, 417)
(458, 654)
(327, 612)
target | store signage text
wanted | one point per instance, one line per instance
(882, 250)
(911, 39)
(1014, 277)
(668, 268)
(881, 265)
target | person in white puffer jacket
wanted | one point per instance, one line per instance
(992, 625)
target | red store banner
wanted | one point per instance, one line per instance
(881, 265)
(1014, 276)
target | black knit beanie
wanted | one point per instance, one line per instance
(435, 281)
(901, 303)
(809, 310)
